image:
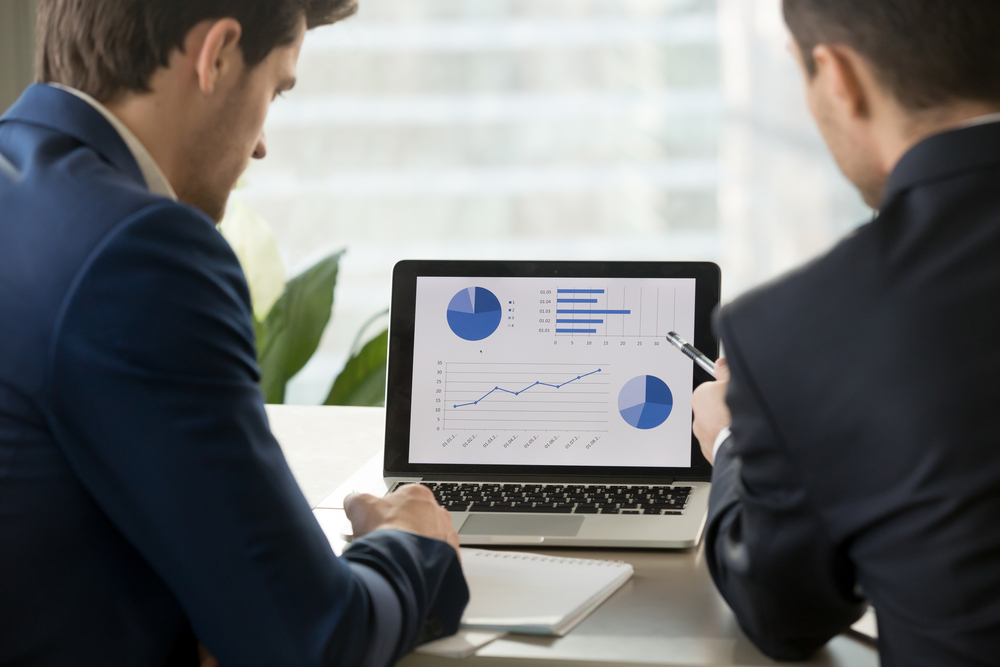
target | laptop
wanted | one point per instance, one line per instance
(542, 403)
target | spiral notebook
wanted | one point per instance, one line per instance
(535, 594)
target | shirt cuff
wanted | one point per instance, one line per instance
(387, 613)
(719, 441)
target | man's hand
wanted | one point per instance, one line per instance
(711, 414)
(411, 508)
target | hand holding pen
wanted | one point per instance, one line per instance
(711, 414)
(691, 352)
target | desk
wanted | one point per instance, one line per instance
(669, 613)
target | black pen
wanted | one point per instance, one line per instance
(692, 353)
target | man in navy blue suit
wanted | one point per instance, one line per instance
(863, 459)
(144, 505)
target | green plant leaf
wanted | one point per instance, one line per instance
(290, 334)
(362, 382)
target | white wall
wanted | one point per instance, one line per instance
(17, 49)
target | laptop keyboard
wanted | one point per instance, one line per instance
(560, 498)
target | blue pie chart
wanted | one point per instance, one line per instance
(645, 402)
(474, 313)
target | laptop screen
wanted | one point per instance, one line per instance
(551, 371)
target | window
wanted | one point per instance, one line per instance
(559, 129)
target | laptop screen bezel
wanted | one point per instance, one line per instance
(399, 380)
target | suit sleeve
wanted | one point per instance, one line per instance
(789, 585)
(153, 397)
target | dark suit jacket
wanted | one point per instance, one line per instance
(143, 500)
(865, 455)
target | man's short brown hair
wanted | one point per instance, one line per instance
(105, 47)
(927, 52)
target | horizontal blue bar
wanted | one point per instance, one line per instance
(594, 312)
(579, 321)
(576, 330)
(580, 291)
(576, 300)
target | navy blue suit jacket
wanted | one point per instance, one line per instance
(143, 499)
(865, 456)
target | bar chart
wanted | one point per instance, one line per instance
(625, 312)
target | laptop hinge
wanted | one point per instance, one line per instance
(539, 479)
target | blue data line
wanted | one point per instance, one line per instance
(518, 393)
(576, 300)
(593, 312)
(579, 291)
(579, 321)
(576, 330)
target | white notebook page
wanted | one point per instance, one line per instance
(536, 594)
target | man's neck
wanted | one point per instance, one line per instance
(145, 117)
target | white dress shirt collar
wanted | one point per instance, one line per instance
(155, 180)
(981, 120)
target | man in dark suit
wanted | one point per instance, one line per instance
(144, 504)
(864, 457)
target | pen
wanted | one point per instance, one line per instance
(692, 353)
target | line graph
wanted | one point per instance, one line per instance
(537, 384)
(526, 396)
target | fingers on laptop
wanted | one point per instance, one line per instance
(411, 508)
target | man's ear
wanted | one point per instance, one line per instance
(837, 72)
(218, 53)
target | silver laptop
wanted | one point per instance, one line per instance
(542, 404)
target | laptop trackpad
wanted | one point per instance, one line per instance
(507, 524)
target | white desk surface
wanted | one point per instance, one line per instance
(669, 613)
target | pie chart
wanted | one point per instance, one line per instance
(474, 313)
(645, 402)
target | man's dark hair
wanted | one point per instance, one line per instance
(104, 47)
(927, 52)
